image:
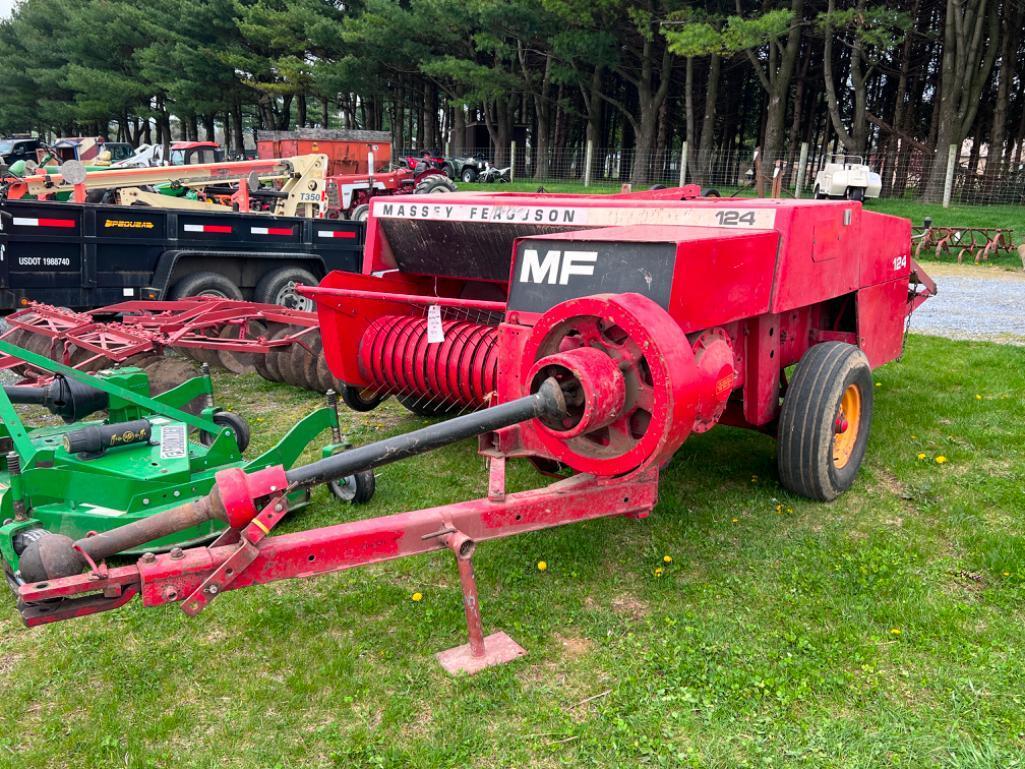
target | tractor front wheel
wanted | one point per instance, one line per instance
(825, 419)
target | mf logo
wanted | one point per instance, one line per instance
(556, 266)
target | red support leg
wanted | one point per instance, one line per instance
(480, 653)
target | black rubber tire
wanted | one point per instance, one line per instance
(273, 288)
(424, 407)
(711, 192)
(205, 284)
(449, 169)
(238, 425)
(360, 213)
(353, 397)
(806, 431)
(433, 184)
(356, 489)
(856, 193)
(469, 175)
(818, 194)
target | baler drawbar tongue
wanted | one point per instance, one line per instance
(55, 556)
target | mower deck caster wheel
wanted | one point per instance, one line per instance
(361, 399)
(238, 425)
(824, 423)
(356, 489)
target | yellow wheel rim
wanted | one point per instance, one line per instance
(846, 426)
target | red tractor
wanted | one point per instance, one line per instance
(349, 196)
(589, 334)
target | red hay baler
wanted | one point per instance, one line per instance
(589, 333)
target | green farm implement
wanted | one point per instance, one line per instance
(117, 455)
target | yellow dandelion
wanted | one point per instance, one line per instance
(940, 459)
(790, 509)
(417, 597)
(921, 455)
(978, 397)
(1007, 574)
(895, 631)
(659, 571)
(542, 566)
(667, 559)
(779, 508)
(879, 384)
(735, 520)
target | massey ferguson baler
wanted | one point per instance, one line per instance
(590, 334)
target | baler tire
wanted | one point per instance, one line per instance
(239, 426)
(356, 489)
(808, 435)
(428, 408)
(353, 397)
(206, 284)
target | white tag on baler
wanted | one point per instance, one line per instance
(435, 333)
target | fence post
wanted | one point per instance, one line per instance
(588, 159)
(802, 165)
(948, 183)
(683, 164)
(512, 161)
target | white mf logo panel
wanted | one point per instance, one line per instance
(557, 266)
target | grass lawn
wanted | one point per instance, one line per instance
(882, 630)
(1007, 216)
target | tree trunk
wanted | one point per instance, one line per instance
(704, 155)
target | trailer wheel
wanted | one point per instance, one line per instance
(278, 287)
(355, 489)
(206, 284)
(825, 419)
(361, 399)
(236, 423)
(360, 213)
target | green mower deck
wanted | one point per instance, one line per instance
(46, 486)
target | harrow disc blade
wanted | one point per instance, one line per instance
(293, 364)
(310, 375)
(275, 356)
(240, 362)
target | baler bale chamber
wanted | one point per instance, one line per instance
(589, 334)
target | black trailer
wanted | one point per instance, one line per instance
(85, 256)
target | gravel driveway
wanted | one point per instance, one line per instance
(973, 303)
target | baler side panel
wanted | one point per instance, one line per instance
(718, 281)
(881, 312)
(819, 254)
(885, 248)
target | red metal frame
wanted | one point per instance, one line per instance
(193, 323)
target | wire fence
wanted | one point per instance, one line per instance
(964, 178)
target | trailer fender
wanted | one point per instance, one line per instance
(170, 259)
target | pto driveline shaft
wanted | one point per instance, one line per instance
(547, 401)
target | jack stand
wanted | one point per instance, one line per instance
(480, 653)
